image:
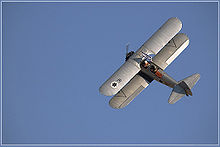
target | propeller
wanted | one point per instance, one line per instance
(127, 47)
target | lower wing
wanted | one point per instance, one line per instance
(171, 51)
(130, 91)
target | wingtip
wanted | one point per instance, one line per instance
(103, 91)
(198, 75)
(176, 20)
(115, 104)
(171, 101)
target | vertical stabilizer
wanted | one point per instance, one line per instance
(183, 88)
(192, 80)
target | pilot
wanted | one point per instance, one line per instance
(146, 64)
(153, 68)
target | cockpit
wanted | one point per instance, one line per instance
(147, 57)
(149, 65)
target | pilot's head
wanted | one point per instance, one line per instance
(146, 64)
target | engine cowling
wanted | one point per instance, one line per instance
(128, 55)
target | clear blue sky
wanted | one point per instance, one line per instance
(56, 56)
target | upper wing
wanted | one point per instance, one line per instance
(120, 78)
(131, 67)
(129, 92)
(171, 50)
(160, 38)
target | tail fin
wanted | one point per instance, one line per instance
(183, 88)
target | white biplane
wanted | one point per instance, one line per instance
(140, 69)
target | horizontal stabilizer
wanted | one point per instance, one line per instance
(183, 87)
(177, 93)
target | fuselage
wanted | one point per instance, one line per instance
(151, 71)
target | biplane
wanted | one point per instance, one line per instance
(147, 64)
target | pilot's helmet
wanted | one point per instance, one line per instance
(146, 64)
(153, 68)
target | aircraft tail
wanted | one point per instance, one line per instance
(183, 88)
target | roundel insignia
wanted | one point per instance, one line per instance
(114, 84)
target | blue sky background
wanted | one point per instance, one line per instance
(56, 56)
